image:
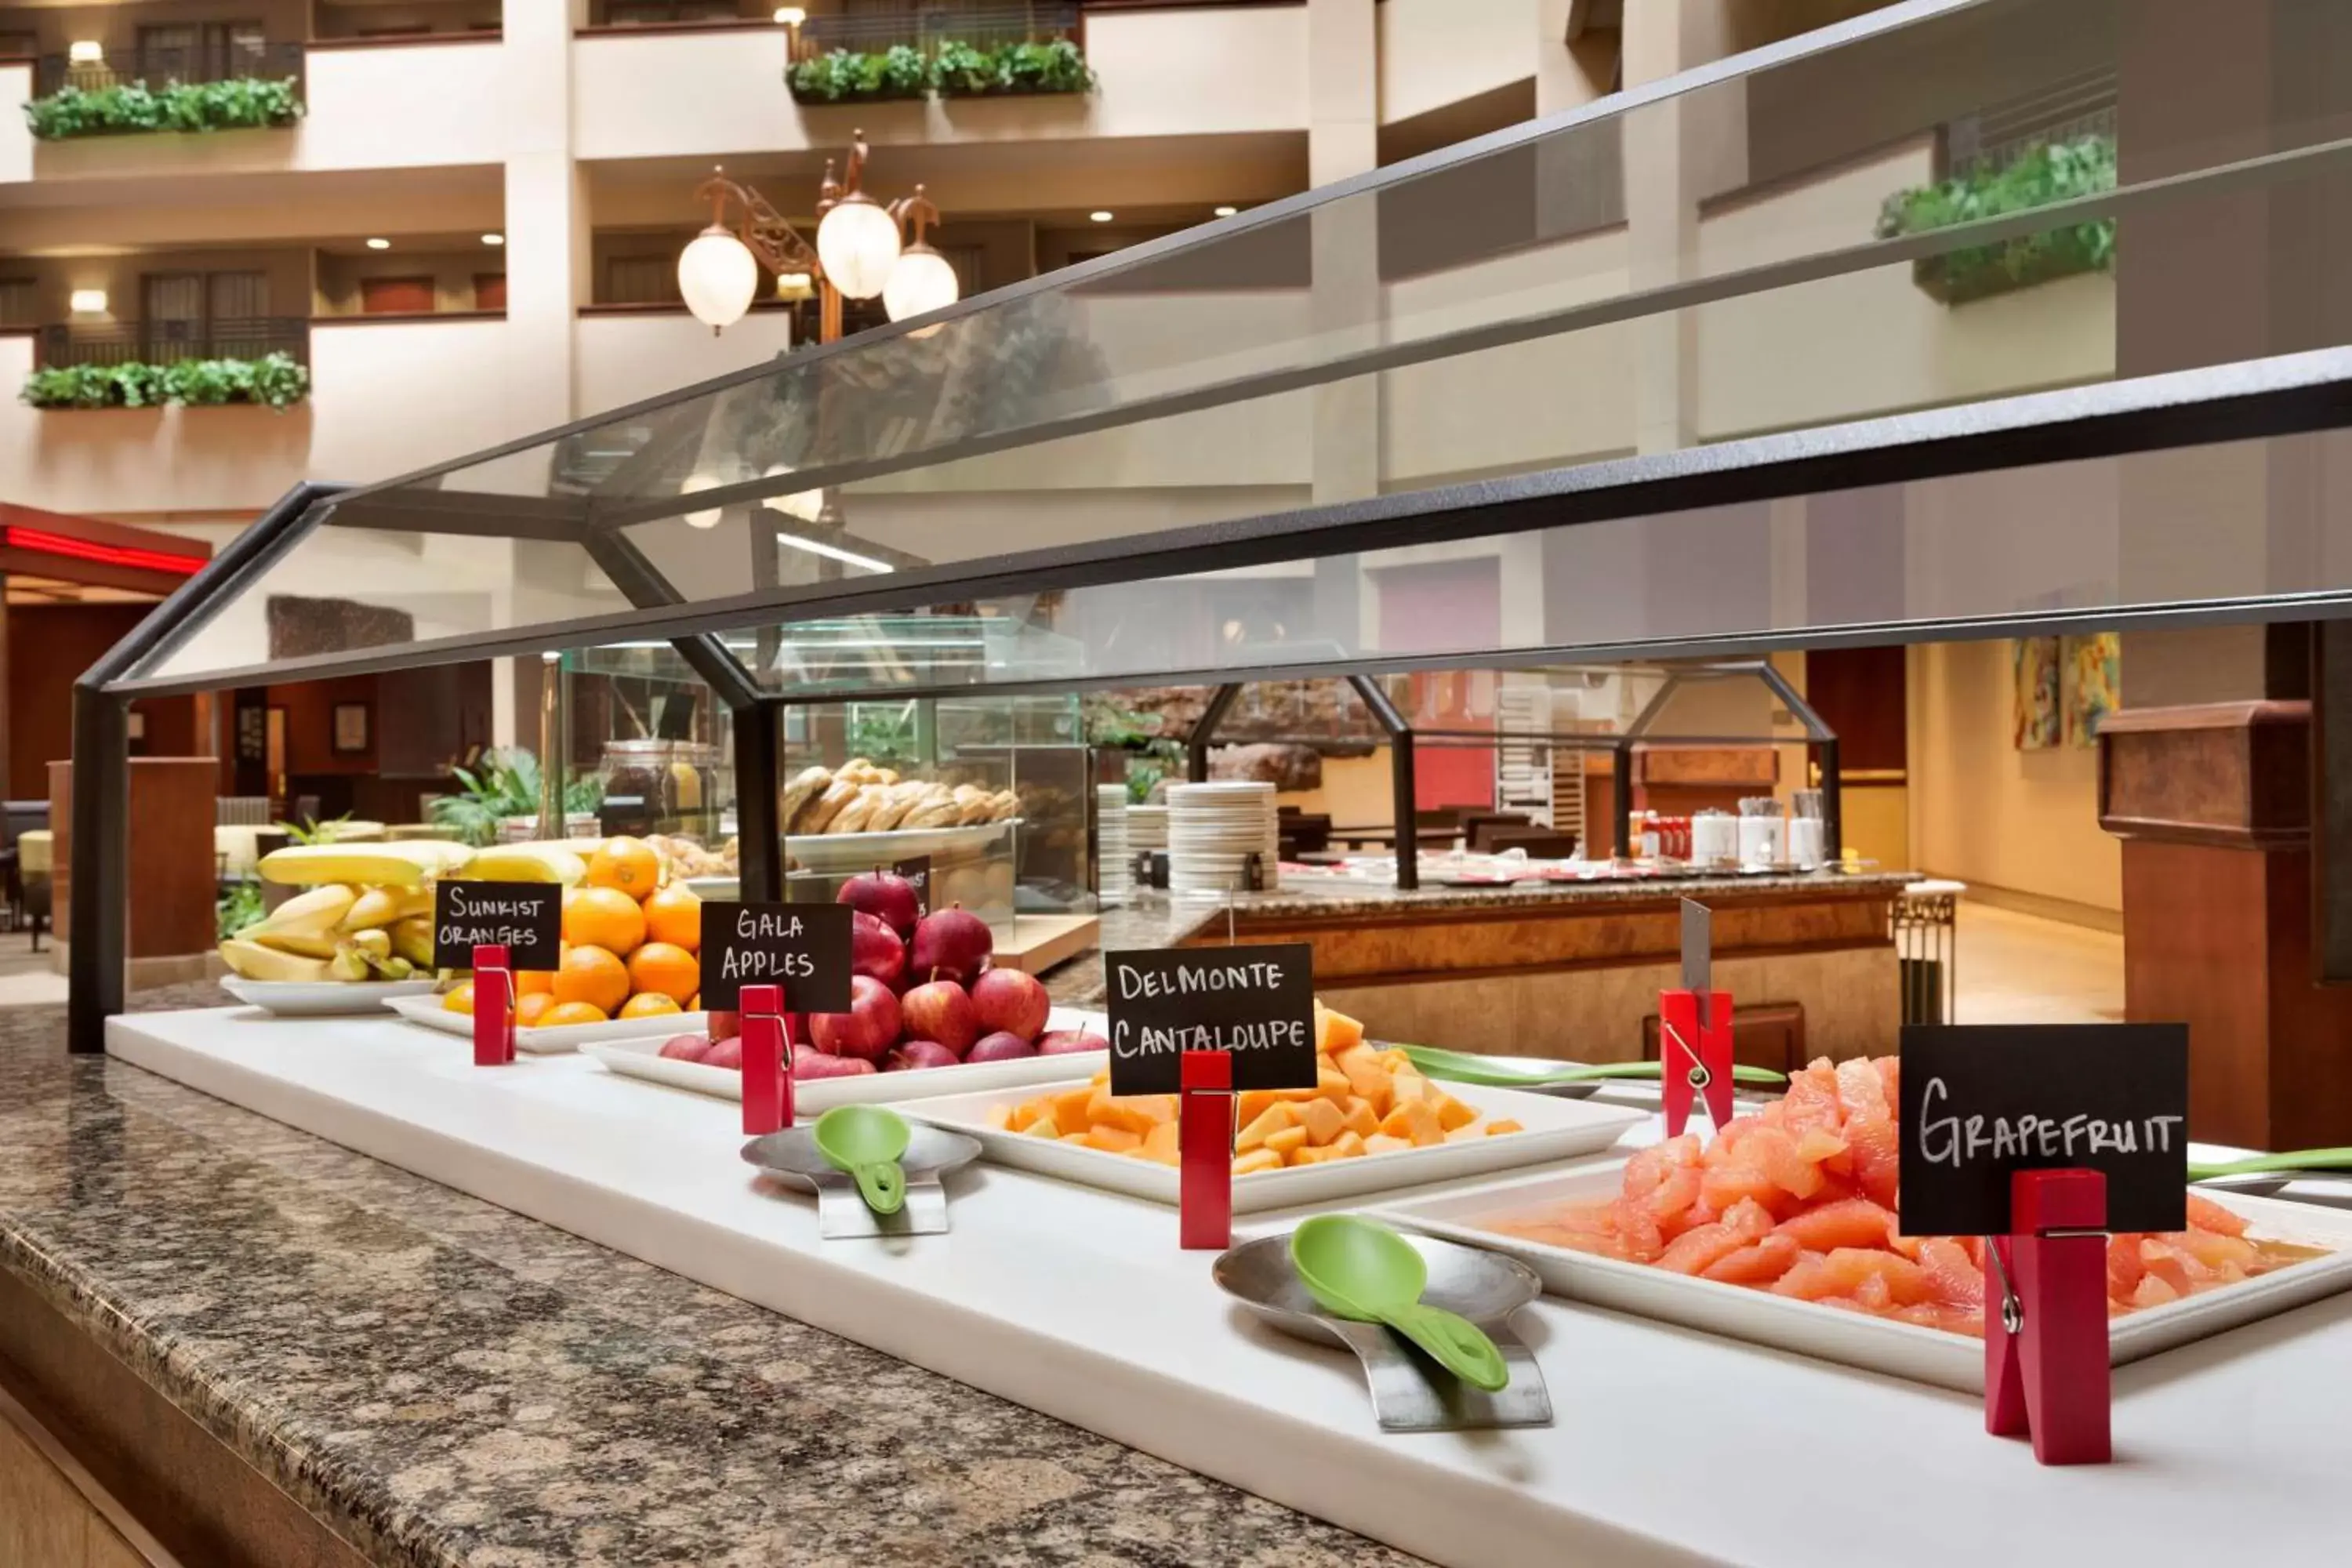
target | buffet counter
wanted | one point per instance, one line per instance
(294, 1353)
(1570, 971)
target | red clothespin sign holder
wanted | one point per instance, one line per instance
(1204, 1147)
(767, 1062)
(2046, 1370)
(494, 1007)
(1694, 1031)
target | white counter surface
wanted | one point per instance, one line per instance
(1669, 1446)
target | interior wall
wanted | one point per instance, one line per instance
(1988, 814)
(55, 278)
(453, 274)
(49, 646)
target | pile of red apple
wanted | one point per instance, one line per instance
(922, 994)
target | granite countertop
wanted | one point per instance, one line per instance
(1153, 919)
(444, 1383)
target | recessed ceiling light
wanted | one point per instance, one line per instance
(1227, 211)
(379, 244)
(1101, 217)
(494, 239)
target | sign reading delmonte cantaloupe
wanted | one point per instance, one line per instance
(1256, 1002)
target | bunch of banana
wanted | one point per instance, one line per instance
(338, 931)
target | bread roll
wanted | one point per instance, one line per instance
(806, 785)
(1003, 805)
(891, 803)
(818, 816)
(938, 810)
(857, 817)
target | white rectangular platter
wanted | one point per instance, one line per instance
(324, 998)
(642, 1058)
(1851, 1339)
(1079, 1303)
(1555, 1130)
(428, 1013)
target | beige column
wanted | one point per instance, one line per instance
(1345, 308)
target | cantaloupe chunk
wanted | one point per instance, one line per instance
(1028, 1114)
(1273, 1118)
(1105, 1110)
(1397, 1061)
(1505, 1125)
(1332, 1084)
(1322, 1121)
(1453, 1114)
(1313, 1155)
(1373, 1086)
(1251, 1103)
(1288, 1141)
(1359, 1118)
(1256, 1160)
(1160, 1144)
(1335, 1032)
(1102, 1076)
(1158, 1108)
(1464, 1136)
(1354, 1056)
(1040, 1127)
(1348, 1146)
(1080, 1138)
(1412, 1087)
(1114, 1139)
(1381, 1143)
(1071, 1108)
(1000, 1117)
(1421, 1123)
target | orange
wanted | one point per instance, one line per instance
(629, 865)
(460, 998)
(593, 975)
(670, 971)
(605, 918)
(564, 1013)
(674, 915)
(531, 1009)
(694, 1005)
(648, 1004)
(533, 983)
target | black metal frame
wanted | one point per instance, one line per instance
(1821, 745)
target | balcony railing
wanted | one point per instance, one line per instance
(924, 28)
(208, 61)
(165, 343)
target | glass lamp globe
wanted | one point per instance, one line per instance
(859, 243)
(708, 517)
(921, 282)
(718, 274)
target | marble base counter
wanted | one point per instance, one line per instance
(428, 1380)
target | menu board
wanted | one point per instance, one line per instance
(524, 918)
(1256, 1002)
(803, 948)
(1982, 1101)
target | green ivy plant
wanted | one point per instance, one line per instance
(957, 69)
(276, 380)
(2056, 171)
(130, 107)
(506, 785)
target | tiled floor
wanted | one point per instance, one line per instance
(25, 978)
(2021, 969)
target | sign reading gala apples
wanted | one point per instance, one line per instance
(524, 918)
(1258, 1002)
(803, 948)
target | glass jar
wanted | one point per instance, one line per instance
(660, 786)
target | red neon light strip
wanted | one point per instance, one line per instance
(35, 539)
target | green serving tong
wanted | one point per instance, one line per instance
(1369, 1273)
(1459, 1067)
(867, 1141)
(2292, 1160)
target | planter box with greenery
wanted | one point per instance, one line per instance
(2061, 171)
(131, 108)
(276, 380)
(956, 70)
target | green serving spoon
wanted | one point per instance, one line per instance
(1369, 1273)
(867, 1141)
(1459, 1067)
(2294, 1160)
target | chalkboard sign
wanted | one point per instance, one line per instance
(1981, 1101)
(918, 872)
(525, 917)
(1256, 1002)
(804, 948)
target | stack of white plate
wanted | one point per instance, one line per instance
(1213, 830)
(1113, 875)
(1146, 827)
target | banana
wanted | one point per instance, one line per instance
(527, 863)
(311, 914)
(403, 864)
(300, 946)
(349, 966)
(379, 907)
(411, 939)
(255, 961)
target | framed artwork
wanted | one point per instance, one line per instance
(351, 728)
(2034, 719)
(2094, 684)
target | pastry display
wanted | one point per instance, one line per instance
(858, 797)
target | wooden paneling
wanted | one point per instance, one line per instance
(2217, 772)
(48, 646)
(310, 725)
(1863, 694)
(173, 875)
